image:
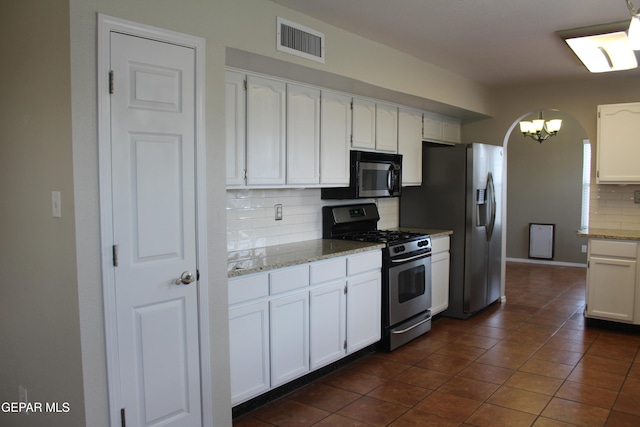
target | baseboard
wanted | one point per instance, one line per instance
(546, 262)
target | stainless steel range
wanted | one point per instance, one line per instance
(406, 269)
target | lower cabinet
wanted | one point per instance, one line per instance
(291, 321)
(612, 280)
(440, 262)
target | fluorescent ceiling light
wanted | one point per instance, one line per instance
(604, 52)
(634, 33)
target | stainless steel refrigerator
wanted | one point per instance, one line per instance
(462, 191)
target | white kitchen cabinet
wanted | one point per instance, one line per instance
(303, 135)
(612, 283)
(289, 337)
(410, 145)
(386, 127)
(249, 351)
(235, 108)
(287, 322)
(327, 323)
(618, 148)
(335, 135)
(363, 310)
(363, 124)
(439, 128)
(440, 264)
(266, 132)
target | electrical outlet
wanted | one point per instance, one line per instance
(55, 204)
(278, 208)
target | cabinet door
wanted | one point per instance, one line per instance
(303, 135)
(249, 351)
(611, 288)
(289, 325)
(451, 130)
(266, 107)
(410, 145)
(618, 143)
(363, 124)
(440, 281)
(335, 133)
(327, 323)
(386, 127)
(431, 127)
(363, 310)
(235, 127)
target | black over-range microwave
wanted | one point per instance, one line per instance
(372, 175)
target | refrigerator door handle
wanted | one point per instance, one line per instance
(492, 205)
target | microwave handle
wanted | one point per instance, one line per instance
(390, 183)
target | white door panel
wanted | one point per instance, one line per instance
(154, 228)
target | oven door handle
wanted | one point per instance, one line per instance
(411, 258)
(411, 327)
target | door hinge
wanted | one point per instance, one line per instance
(344, 344)
(123, 420)
(245, 84)
(111, 85)
(198, 275)
(114, 255)
(345, 290)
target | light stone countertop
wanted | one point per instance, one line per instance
(430, 231)
(272, 257)
(607, 233)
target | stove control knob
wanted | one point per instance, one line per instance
(398, 249)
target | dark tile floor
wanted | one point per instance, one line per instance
(530, 361)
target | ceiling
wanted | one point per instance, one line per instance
(496, 42)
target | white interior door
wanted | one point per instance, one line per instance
(154, 230)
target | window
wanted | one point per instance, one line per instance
(586, 182)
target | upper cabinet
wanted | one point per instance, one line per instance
(386, 127)
(438, 128)
(335, 136)
(235, 127)
(303, 135)
(363, 132)
(410, 145)
(618, 144)
(266, 143)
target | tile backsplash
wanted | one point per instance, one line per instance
(251, 219)
(612, 207)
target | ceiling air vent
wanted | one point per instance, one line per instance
(299, 40)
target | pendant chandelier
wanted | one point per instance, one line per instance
(634, 27)
(539, 129)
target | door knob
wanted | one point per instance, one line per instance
(185, 278)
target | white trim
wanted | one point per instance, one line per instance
(106, 25)
(540, 261)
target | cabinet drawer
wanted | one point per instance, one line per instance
(367, 261)
(439, 244)
(288, 279)
(246, 288)
(326, 271)
(614, 248)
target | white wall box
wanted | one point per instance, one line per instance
(541, 240)
(235, 109)
(303, 135)
(335, 139)
(440, 264)
(266, 134)
(410, 145)
(386, 127)
(612, 281)
(363, 131)
(312, 315)
(618, 144)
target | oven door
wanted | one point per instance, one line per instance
(409, 289)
